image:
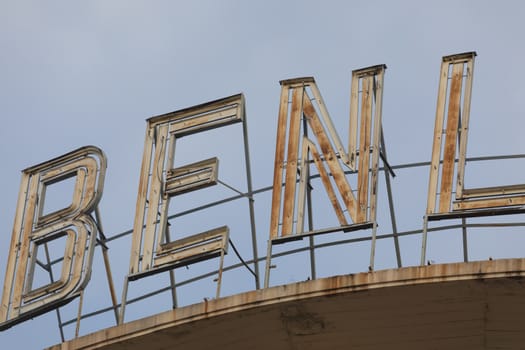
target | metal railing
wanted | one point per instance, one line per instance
(245, 264)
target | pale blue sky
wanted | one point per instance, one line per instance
(77, 73)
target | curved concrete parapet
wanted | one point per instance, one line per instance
(475, 305)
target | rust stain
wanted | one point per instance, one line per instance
(298, 321)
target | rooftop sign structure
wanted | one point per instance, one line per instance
(363, 157)
(452, 121)
(308, 147)
(34, 229)
(153, 249)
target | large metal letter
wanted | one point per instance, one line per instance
(453, 113)
(152, 249)
(34, 230)
(288, 205)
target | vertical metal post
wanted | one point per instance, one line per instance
(309, 208)
(50, 271)
(373, 247)
(107, 264)
(465, 248)
(219, 278)
(424, 241)
(250, 200)
(110, 283)
(268, 262)
(123, 302)
(173, 291)
(391, 202)
(311, 228)
(61, 329)
(79, 313)
(172, 274)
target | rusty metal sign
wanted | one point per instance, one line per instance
(34, 229)
(153, 250)
(295, 153)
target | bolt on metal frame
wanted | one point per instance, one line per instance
(453, 108)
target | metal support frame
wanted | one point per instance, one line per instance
(79, 313)
(251, 201)
(107, 265)
(387, 173)
(392, 235)
(172, 274)
(104, 248)
(424, 240)
(52, 280)
(465, 247)
(101, 241)
(154, 251)
(502, 200)
(48, 266)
